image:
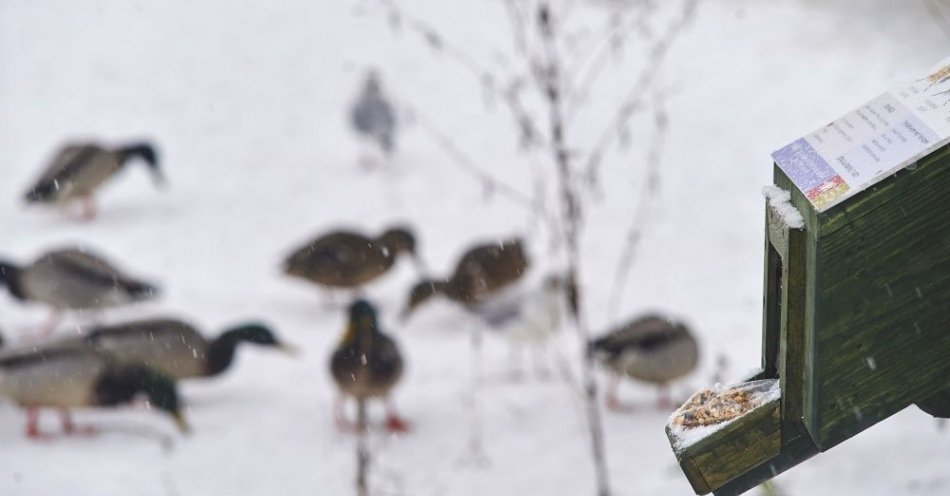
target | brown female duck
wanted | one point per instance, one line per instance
(482, 272)
(652, 349)
(344, 259)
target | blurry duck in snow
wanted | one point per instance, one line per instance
(68, 377)
(348, 260)
(650, 349)
(482, 274)
(176, 348)
(79, 170)
(528, 318)
(366, 365)
(373, 116)
(72, 279)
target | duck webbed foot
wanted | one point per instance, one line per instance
(397, 425)
(613, 400)
(70, 428)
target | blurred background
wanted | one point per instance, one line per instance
(249, 105)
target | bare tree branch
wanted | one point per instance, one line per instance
(651, 189)
(571, 221)
(936, 12)
(633, 102)
(491, 185)
(488, 77)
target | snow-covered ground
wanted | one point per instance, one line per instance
(247, 101)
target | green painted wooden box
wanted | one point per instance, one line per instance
(856, 322)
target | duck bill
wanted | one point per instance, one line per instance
(181, 423)
(159, 179)
(289, 349)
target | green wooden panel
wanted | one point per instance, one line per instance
(883, 303)
(804, 279)
(892, 189)
(794, 451)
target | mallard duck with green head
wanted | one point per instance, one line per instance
(73, 278)
(176, 348)
(651, 349)
(68, 377)
(78, 170)
(366, 365)
(348, 260)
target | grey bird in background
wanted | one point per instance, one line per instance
(373, 115)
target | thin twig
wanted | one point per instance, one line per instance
(633, 102)
(592, 68)
(487, 76)
(362, 449)
(489, 182)
(651, 190)
(933, 8)
(549, 82)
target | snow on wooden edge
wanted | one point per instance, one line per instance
(781, 201)
(765, 391)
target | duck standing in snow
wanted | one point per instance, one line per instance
(79, 170)
(347, 260)
(532, 319)
(68, 377)
(482, 273)
(651, 349)
(73, 279)
(366, 365)
(373, 116)
(176, 348)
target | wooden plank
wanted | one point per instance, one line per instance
(794, 451)
(731, 451)
(883, 303)
(798, 397)
(889, 190)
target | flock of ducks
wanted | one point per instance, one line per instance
(111, 365)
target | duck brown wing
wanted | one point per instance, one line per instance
(73, 278)
(646, 333)
(55, 376)
(488, 268)
(94, 268)
(340, 258)
(64, 167)
(167, 345)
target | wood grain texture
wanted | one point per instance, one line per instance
(731, 451)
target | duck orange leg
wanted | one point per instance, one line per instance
(394, 422)
(69, 427)
(613, 398)
(88, 211)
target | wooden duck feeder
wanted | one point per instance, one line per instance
(857, 290)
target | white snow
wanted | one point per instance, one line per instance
(780, 200)
(248, 103)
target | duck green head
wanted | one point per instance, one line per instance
(121, 384)
(363, 314)
(145, 151)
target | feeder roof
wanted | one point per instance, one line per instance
(870, 143)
